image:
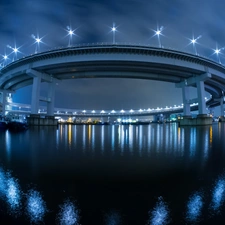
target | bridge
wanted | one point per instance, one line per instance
(116, 61)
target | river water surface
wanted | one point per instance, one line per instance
(113, 175)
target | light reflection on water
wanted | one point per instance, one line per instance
(194, 207)
(218, 195)
(153, 139)
(148, 142)
(113, 218)
(160, 214)
(36, 207)
(13, 194)
(68, 214)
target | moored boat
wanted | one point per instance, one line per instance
(17, 125)
(3, 125)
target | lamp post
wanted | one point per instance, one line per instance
(70, 33)
(114, 33)
(217, 52)
(158, 33)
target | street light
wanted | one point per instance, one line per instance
(217, 52)
(193, 41)
(114, 33)
(15, 50)
(158, 33)
(70, 34)
(38, 40)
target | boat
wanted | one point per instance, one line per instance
(17, 125)
(3, 125)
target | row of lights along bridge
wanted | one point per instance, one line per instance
(70, 33)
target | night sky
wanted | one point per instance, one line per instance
(136, 20)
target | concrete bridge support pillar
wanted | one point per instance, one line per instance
(3, 101)
(185, 94)
(35, 94)
(202, 118)
(221, 106)
(51, 98)
(201, 97)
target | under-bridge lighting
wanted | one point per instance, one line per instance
(113, 111)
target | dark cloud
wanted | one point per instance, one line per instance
(136, 20)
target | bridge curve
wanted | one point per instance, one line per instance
(114, 61)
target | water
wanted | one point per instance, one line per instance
(113, 175)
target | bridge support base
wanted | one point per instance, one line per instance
(221, 119)
(37, 120)
(201, 119)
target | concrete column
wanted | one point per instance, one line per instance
(35, 95)
(201, 97)
(4, 96)
(51, 98)
(221, 107)
(185, 94)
